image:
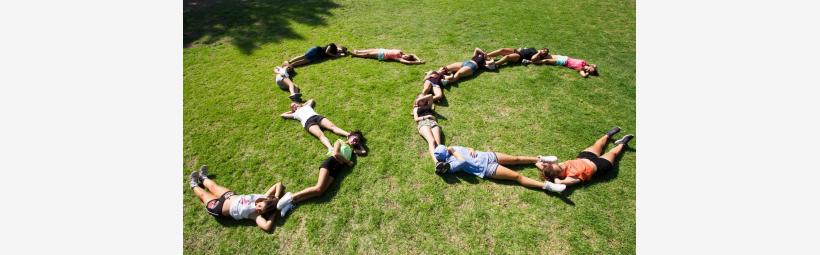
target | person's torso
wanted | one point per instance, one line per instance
(344, 149)
(474, 164)
(425, 111)
(479, 59)
(242, 206)
(304, 113)
(576, 64)
(392, 54)
(578, 168)
(527, 53)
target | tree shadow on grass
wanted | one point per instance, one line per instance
(250, 23)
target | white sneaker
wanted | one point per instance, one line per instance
(524, 61)
(285, 210)
(557, 188)
(285, 200)
(548, 159)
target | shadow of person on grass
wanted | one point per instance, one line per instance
(600, 178)
(250, 23)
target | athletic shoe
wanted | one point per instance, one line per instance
(203, 172)
(195, 181)
(625, 140)
(548, 159)
(281, 71)
(285, 210)
(297, 97)
(614, 131)
(491, 66)
(524, 61)
(285, 200)
(553, 187)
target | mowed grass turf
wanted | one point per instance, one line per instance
(392, 201)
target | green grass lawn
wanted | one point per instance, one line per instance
(392, 201)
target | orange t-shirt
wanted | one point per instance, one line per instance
(578, 168)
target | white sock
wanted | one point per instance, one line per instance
(557, 188)
(285, 210)
(286, 199)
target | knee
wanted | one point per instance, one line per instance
(319, 189)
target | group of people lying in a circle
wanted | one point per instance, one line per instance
(221, 202)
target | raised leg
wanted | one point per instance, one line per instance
(511, 57)
(503, 173)
(321, 186)
(500, 52)
(598, 146)
(316, 131)
(214, 188)
(613, 153)
(505, 159)
(327, 124)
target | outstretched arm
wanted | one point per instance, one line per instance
(567, 181)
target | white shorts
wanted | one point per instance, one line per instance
(280, 82)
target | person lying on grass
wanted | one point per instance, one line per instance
(520, 55)
(579, 65)
(388, 54)
(315, 54)
(468, 67)
(221, 202)
(314, 123)
(432, 84)
(341, 156)
(488, 165)
(285, 83)
(588, 164)
(427, 125)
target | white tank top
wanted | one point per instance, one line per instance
(243, 205)
(304, 113)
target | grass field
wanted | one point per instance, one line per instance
(391, 201)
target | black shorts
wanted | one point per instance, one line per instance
(601, 164)
(214, 206)
(332, 166)
(313, 120)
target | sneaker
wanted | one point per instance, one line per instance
(297, 97)
(553, 187)
(614, 131)
(525, 61)
(491, 66)
(195, 181)
(548, 159)
(285, 200)
(625, 140)
(280, 70)
(285, 210)
(203, 172)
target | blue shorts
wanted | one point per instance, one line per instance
(561, 60)
(314, 54)
(380, 55)
(470, 64)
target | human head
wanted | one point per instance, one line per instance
(408, 57)
(266, 206)
(355, 138)
(443, 70)
(294, 106)
(343, 50)
(544, 51)
(441, 153)
(548, 170)
(422, 103)
(591, 69)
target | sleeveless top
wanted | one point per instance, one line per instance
(304, 113)
(424, 111)
(527, 53)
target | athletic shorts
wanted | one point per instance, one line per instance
(492, 165)
(601, 164)
(313, 120)
(314, 54)
(427, 122)
(470, 64)
(332, 166)
(380, 55)
(561, 60)
(214, 206)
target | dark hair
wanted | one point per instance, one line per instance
(442, 167)
(411, 57)
(333, 48)
(357, 133)
(594, 72)
(270, 207)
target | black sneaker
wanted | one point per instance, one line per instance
(203, 172)
(614, 131)
(195, 181)
(625, 139)
(297, 97)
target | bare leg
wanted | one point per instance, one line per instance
(291, 86)
(214, 188)
(204, 195)
(437, 93)
(368, 53)
(598, 146)
(613, 153)
(299, 58)
(326, 123)
(463, 72)
(321, 186)
(500, 52)
(437, 134)
(512, 57)
(505, 159)
(503, 173)
(427, 133)
(316, 131)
